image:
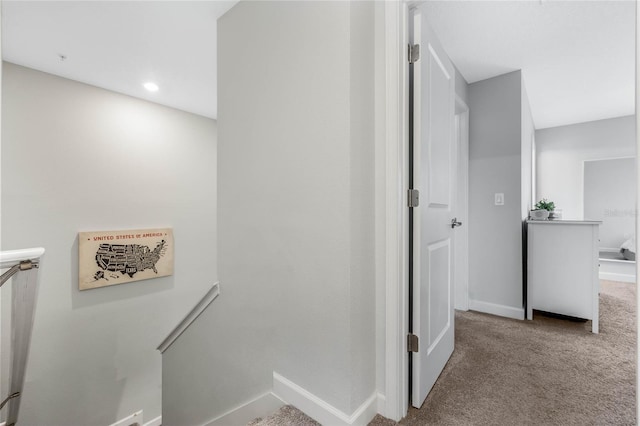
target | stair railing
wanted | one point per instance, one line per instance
(23, 268)
(206, 300)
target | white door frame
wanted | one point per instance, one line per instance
(461, 236)
(395, 100)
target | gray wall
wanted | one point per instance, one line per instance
(495, 239)
(362, 296)
(296, 162)
(609, 196)
(561, 152)
(380, 199)
(462, 87)
(78, 158)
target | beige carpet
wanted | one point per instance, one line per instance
(542, 372)
(285, 416)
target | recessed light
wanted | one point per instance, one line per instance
(152, 87)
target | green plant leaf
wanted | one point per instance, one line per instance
(545, 204)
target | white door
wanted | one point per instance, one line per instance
(433, 175)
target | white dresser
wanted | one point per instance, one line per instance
(562, 268)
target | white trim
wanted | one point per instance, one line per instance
(320, 410)
(396, 158)
(261, 406)
(9, 258)
(612, 276)
(136, 417)
(206, 300)
(382, 403)
(616, 261)
(154, 422)
(624, 157)
(495, 309)
(462, 154)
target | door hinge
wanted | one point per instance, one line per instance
(412, 343)
(414, 53)
(413, 199)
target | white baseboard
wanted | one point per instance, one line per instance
(262, 406)
(612, 276)
(154, 422)
(382, 404)
(320, 410)
(495, 309)
(135, 418)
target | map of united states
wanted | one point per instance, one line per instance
(129, 258)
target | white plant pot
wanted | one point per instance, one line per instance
(556, 214)
(541, 214)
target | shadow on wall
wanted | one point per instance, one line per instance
(53, 391)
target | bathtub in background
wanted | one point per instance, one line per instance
(614, 267)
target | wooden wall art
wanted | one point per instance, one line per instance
(118, 257)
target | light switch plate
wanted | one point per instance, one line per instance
(499, 197)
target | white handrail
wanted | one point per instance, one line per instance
(190, 317)
(23, 271)
(9, 258)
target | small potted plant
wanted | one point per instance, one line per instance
(544, 209)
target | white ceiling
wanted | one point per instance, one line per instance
(121, 45)
(577, 58)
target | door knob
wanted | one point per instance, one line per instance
(454, 222)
